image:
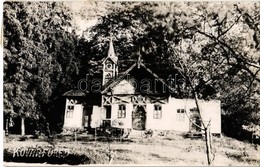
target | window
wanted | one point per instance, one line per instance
(180, 114)
(121, 111)
(70, 109)
(157, 114)
(109, 66)
(108, 75)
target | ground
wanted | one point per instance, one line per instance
(172, 149)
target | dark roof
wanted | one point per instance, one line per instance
(138, 64)
(120, 77)
(124, 65)
(75, 93)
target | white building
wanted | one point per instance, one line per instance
(136, 99)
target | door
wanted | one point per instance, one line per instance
(139, 118)
(87, 116)
(76, 118)
(194, 116)
(107, 120)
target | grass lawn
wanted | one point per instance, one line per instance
(159, 150)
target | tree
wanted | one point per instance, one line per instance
(34, 40)
(216, 63)
(126, 23)
(234, 34)
(213, 45)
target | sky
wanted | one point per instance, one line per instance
(80, 22)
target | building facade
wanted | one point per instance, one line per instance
(138, 99)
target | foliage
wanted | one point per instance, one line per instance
(216, 45)
(40, 56)
(252, 128)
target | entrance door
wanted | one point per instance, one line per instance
(194, 116)
(107, 120)
(87, 116)
(138, 118)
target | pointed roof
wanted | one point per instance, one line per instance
(111, 52)
(139, 60)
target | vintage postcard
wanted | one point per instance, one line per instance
(131, 83)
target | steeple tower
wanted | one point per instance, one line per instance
(139, 59)
(111, 51)
(110, 64)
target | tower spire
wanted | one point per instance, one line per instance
(139, 59)
(110, 64)
(111, 50)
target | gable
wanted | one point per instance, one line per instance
(144, 79)
(124, 87)
(110, 59)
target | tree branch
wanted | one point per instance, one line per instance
(193, 91)
(223, 33)
(237, 56)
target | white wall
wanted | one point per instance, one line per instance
(165, 123)
(210, 110)
(127, 121)
(124, 87)
(96, 117)
(173, 106)
(77, 117)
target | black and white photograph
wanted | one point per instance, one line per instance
(136, 83)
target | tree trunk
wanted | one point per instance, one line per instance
(7, 127)
(95, 135)
(22, 126)
(120, 135)
(208, 148)
(207, 132)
